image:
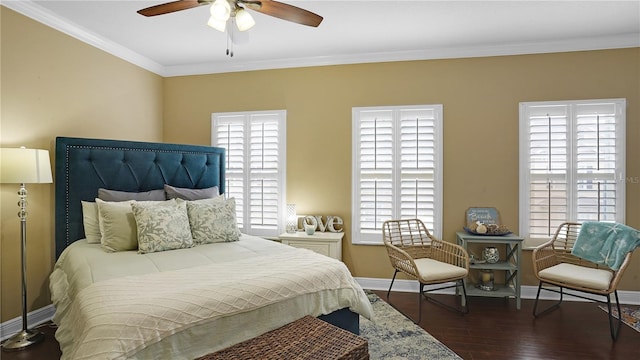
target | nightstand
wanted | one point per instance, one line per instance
(325, 243)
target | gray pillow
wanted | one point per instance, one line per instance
(190, 194)
(115, 195)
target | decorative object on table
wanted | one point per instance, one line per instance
(484, 221)
(292, 218)
(24, 166)
(486, 280)
(491, 254)
(309, 229)
(473, 260)
(332, 224)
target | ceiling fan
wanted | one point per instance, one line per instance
(223, 10)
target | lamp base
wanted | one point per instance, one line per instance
(22, 340)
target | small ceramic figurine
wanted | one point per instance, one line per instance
(481, 228)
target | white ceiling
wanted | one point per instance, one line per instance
(354, 31)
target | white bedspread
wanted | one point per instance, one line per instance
(168, 307)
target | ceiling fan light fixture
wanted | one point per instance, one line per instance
(244, 20)
(219, 25)
(220, 10)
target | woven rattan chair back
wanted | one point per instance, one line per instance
(409, 235)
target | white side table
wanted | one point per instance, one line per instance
(325, 243)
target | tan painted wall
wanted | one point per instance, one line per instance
(480, 98)
(54, 85)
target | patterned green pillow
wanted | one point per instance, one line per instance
(162, 228)
(213, 221)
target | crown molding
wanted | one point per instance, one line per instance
(566, 45)
(30, 9)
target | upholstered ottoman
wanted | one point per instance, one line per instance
(306, 338)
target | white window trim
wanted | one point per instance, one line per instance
(282, 163)
(371, 239)
(525, 180)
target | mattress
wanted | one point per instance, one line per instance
(220, 294)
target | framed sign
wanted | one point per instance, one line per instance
(485, 215)
(484, 221)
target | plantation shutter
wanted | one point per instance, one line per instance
(376, 170)
(396, 157)
(255, 167)
(573, 168)
(229, 133)
(264, 209)
(418, 165)
(548, 159)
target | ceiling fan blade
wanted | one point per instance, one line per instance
(285, 12)
(171, 7)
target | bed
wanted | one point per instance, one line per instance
(183, 301)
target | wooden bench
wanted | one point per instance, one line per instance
(306, 338)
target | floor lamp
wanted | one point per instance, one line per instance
(24, 166)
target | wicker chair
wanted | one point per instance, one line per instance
(413, 251)
(554, 264)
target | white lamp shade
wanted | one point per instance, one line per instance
(244, 20)
(28, 166)
(217, 24)
(220, 10)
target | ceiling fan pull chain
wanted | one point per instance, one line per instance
(230, 32)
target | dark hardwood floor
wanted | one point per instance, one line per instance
(493, 329)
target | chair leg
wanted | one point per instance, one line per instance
(420, 293)
(550, 308)
(400, 311)
(452, 308)
(616, 331)
(466, 300)
(392, 280)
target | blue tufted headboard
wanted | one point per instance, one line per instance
(84, 165)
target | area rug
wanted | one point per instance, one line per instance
(392, 336)
(630, 315)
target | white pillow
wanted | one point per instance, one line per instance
(118, 225)
(163, 227)
(213, 220)
(91, 223)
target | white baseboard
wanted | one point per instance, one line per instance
(34, 318)
(526, 292)
(42, 315)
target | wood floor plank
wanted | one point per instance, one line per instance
(494, 329)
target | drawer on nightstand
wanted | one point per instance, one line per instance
(323, 249)
(325, 243)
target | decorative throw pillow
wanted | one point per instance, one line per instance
(117, 226)
(162, 228)
(115, 195)
(213, 221)
(91, 223)
(190, 194)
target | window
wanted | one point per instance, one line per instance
(572, 164)
(255, 167)
(397, 168)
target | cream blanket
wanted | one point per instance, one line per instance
(115, 318)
